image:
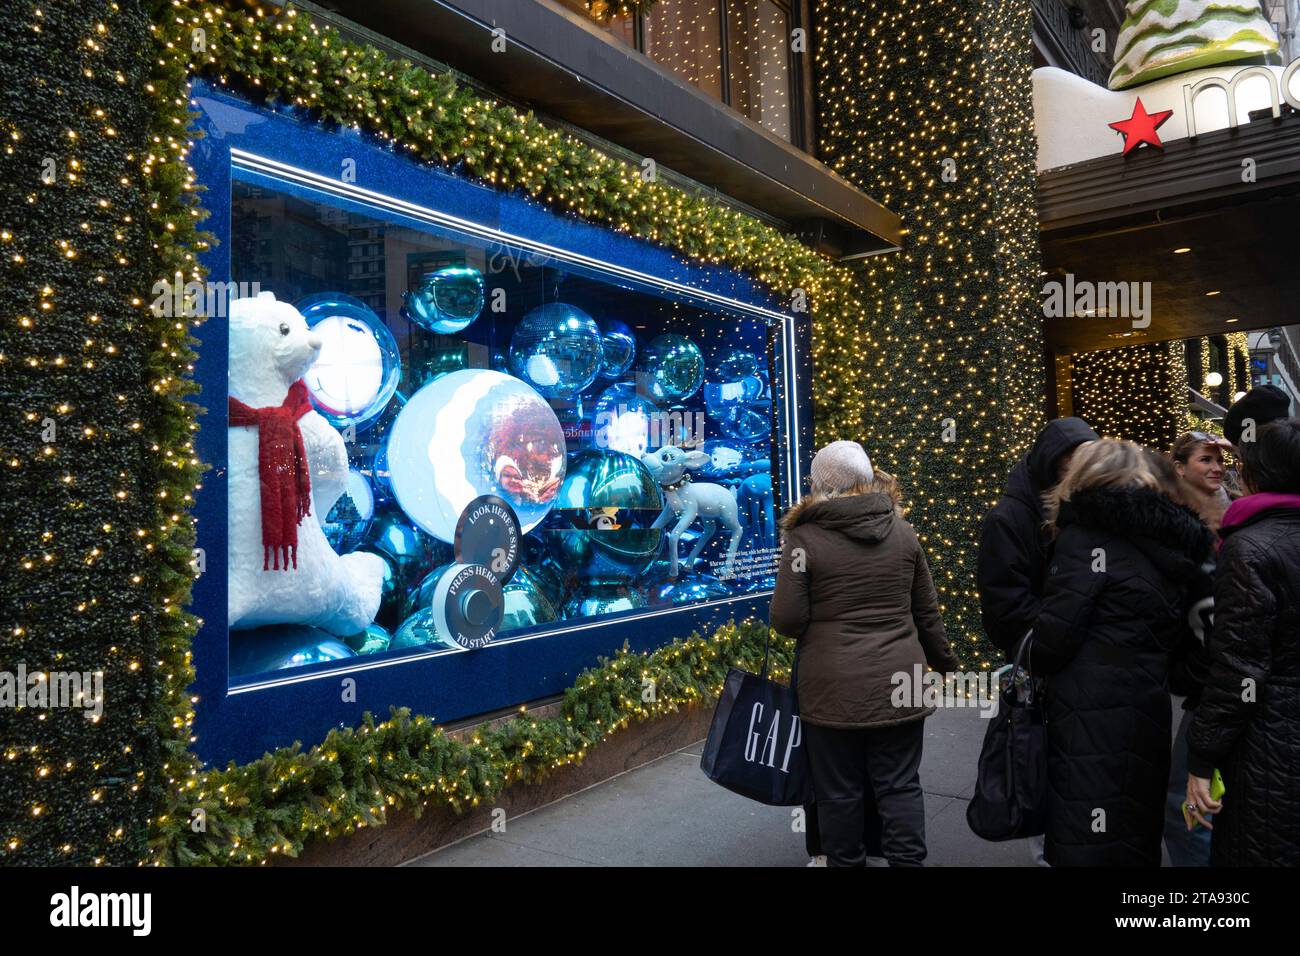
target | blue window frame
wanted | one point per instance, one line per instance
(251, 157)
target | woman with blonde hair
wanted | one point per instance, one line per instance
(1114, 610)
(855, 590)
(1198, 459)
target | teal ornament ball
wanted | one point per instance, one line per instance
(412, 551)
(736, 364)
(601, 528)
(526, 604)
(392, 591)
(375, 639)
(601, 599)
(419, 630)
(556, 348)
(675, 367)
(446, 301)
(735, 381)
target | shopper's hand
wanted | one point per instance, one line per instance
(1199, 801)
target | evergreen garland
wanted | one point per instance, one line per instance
(95, 432)
(273, 806)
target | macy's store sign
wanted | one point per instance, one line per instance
(1077, 120)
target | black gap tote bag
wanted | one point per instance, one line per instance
(755, 745)
(1010, 799)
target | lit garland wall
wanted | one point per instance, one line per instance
(95, 435)
(96, 565)
(1138, 392)
(926, 106)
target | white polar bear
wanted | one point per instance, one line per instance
(270, 349)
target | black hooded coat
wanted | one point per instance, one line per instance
(1014, 544)
(1113, 612)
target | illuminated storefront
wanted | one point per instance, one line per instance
(534, 440)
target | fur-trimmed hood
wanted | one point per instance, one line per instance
(868, 517)
(1171, 535)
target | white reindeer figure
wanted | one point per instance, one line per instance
(690, 500)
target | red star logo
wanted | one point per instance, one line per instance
(1141, 127)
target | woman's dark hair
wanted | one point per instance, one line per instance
(1272, 461)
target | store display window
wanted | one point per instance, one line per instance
(464, 445)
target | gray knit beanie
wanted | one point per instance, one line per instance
(839, 466)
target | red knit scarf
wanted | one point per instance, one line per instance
(282, 469)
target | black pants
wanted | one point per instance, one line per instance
(846, 764)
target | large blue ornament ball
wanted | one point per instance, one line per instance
(675, 367)
(602, 599)
(745, 425)
(619, 343)
(359, 364)
(736, 364)
(470, 433)
(283, 646)
(733, 382)
(557, 349)
(349, 520)
(621, 420)
(446, 301)
(526, 603)
(601, 528)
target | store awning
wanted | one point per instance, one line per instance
(1122, 219)
(565, 67)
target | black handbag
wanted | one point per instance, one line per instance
(1010, 799)
(755, 744)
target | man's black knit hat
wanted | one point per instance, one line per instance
(1262, 404)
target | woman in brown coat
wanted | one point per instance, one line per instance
(855, 590)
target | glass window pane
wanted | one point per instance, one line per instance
(450, 368)
(685, 36)
(758, 35)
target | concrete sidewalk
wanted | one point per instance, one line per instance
(668, 813)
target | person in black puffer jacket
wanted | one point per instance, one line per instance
(1114, 610)
(1248, 722)
(1014, 543)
